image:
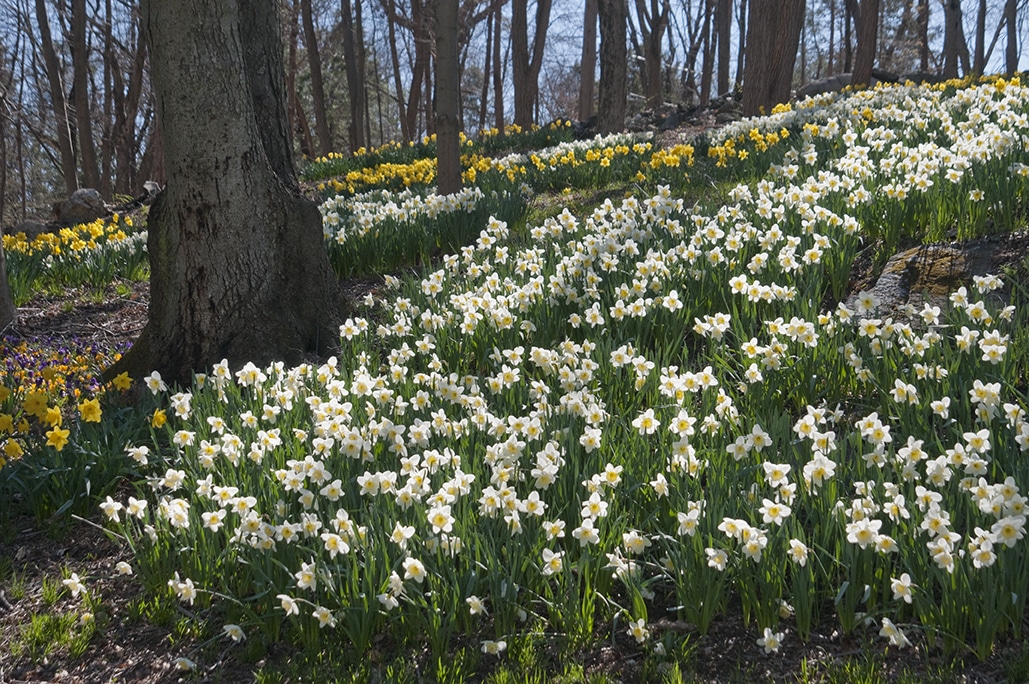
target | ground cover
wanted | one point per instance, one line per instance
(636, 433)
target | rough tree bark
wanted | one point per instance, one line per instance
(448, 100)
(588, 65)
(314, 59)
(953, 35)
(57, 99)
(527, 64)
(723, 28)
(355, 75)
(867, 19)
(772, 40)
(613, 54)
(238, 263)
(80, 93)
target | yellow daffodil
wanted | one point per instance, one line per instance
(57, 438)
(89, 411)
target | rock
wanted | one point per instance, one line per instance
(929, 273)
(831, 84)
(32, 229)
(84, 206)
(727, 117)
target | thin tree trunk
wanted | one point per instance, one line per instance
(321, 118)
(613, 15)
(1011, 49)
(979, 60)
(867, 40)
(355, 75)
(484, 91)
(448, 98)
(832, 38)
(588, 65)
(709, 37)
(923, 35)
(527, 65)
(80, 90)
(723, 27)
(391, 27)
(741, 48)
(57, 98)
(848, 21)
(498, 74)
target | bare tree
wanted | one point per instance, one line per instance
(613, 53)
(953, 37)
(653, 21)
(448, 99)
(723, 31)
(314, 60)
(867, 18)
(353, 41)
(588, 64)
(773, 36)
(238, 264)
(80, 94)
(527, 65)
(1011, 49)
(57, 98)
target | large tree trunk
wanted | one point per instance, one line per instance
(867, 41)
(314, 59)
(58, 100)
(448, 100)
(979, 60)
(772, 39)
(923, 35)
(238, 262)
(709, 36)
(527, 65)
(80, 91)
(613, 54)
(355, 75)
(588, 66)
(953, 35)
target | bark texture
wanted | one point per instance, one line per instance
(773, 36)
(238, 264)
(613, 54)
(448, 100)
(527, 64)
(867, 42)
(588, 65)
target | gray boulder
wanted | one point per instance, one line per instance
(84, 205)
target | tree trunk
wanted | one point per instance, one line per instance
(708, 37)
(772, 40)
(238, 262)
(80, 91)
(741, 50)
(448, 100)
(979, 61)
(588, 66)
(355, 76)
(952, 38)
(527, 65)
(498, 74)
(7, 310)
(391, 29)
(653, 22)
(321, 118)
(923, 35)
(867, 41)
(57, 98)
(1011, 49)
(613, 54)
(723, 27)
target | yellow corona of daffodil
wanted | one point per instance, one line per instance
(57, 438)
(52, 416)
(122, 382)
(35, 404)
(89, 411)
(159, 418)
